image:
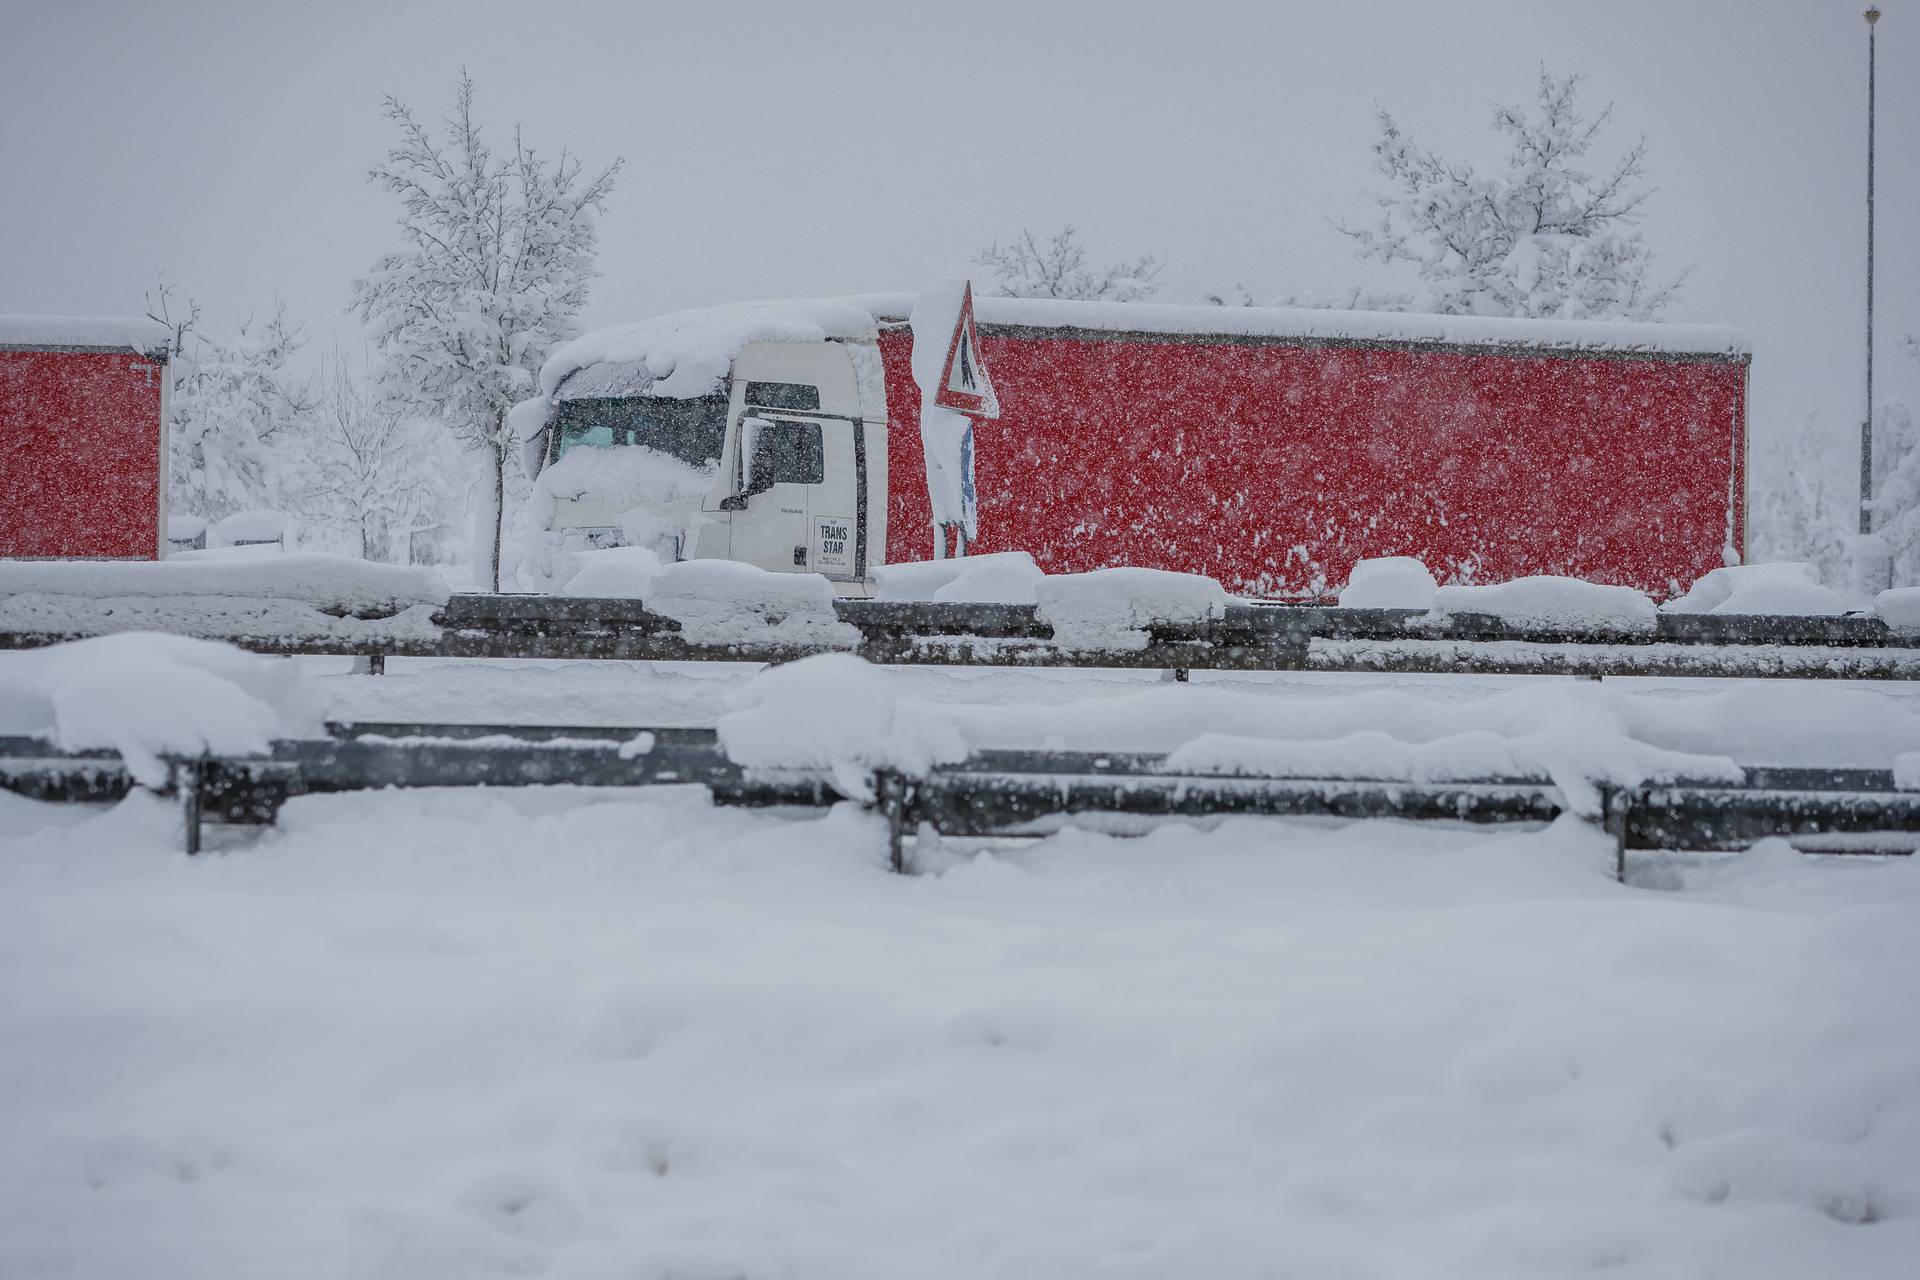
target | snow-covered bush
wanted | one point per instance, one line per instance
(237, 407)
(1800, 507)
(374, 474)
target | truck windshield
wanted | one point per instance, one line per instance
(690, 430)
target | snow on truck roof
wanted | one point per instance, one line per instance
(84, 333)
(1319, 326)
(688, 353)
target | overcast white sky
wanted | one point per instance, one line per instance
(810, 147)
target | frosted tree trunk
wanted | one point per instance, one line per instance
(499, 507)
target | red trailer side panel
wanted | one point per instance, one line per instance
(1274, 467)
(80, 454)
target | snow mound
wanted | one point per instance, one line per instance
(717, 602)
(1005, 577)
(689, 353)
(1786, 587)
(835, 711)
(1112, 608)
(259, 525)
(1899, 607)
(616, 572)
(1390, 582)
(1545, 602)
(147, 695)
(327, 582)
(724, 602)
(183, 528)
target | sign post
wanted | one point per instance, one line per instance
(952, 402)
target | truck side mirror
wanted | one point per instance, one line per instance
(758, 462)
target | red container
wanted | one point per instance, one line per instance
(83, 440)
(1273, 462)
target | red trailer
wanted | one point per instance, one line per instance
(83, 438)
(1272, 449)
(1269, 449)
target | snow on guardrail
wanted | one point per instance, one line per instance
(1113, 608)
(1001, 577)
(1390, 582)
(1786, 588)
(1899, 607)
(324, 581)
(304, 594)
(717, 602)
(837, 711)
(147, 695)
(1547, 603)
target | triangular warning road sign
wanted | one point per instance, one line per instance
(964, 384)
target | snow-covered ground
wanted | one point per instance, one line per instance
(574, 1034)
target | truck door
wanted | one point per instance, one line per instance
(813, 514)
(838, 518)
(782, 460)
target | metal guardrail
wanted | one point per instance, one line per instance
(1244, 638)
(992, 793)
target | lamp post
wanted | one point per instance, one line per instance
(1866, 426)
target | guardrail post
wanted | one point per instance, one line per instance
(890, 795)
(1616, 808)
(188, 779)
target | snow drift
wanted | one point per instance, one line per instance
(1785, 588)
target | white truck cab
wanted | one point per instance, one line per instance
(782, 464)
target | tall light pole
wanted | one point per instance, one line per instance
(1866, 426)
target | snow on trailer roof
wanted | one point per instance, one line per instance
(85, 333)
(688, 353)
(1323, 327)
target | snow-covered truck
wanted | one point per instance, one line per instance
(83, 438)
(1270, 449)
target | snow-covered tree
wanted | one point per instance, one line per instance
(231, 400)
(1544, 236)
(498, 257)
(1896, 483)
(374, 473)
(1800, 508)
(1026, 268)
